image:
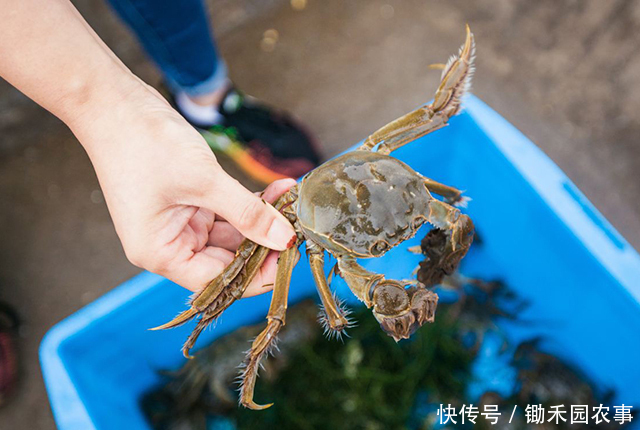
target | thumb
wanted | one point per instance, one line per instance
(254, 218)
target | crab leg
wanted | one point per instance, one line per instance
(216, 287)
(234, 291)
(455, 81)
(210, 294)
(359, 279)
(267, 338)
(452, 195)
(332, 316)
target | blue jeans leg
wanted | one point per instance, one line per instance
(177, 36)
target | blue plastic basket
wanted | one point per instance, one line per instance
(540, 235)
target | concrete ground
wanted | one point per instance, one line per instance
(564, 73)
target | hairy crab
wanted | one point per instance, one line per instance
(358, 205)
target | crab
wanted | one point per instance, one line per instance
(358, 205)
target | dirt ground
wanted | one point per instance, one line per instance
(566, 73)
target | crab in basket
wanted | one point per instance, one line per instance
(358, 205)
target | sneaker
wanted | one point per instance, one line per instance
(265, 143)
(8, 361)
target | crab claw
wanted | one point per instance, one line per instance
(444, 250)
(401, 311)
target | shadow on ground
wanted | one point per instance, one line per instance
(563, 72)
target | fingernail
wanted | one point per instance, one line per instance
(281, 234)
(291, 242)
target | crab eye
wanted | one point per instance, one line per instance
(380, 247)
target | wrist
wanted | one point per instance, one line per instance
(98, 100)
(111, 111)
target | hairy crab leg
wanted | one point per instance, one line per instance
(275, 320)
(455, 82)
(359, 279)
(447, 244)
(452, 195)
(333, 317)
(217, 286)
(228, 296)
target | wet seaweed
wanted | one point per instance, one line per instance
(368, 381)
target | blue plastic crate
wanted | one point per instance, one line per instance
(540, 235)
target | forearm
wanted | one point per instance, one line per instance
(51, 54)
(162, 184)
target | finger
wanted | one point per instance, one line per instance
(249, 214)
(266, 277)
(201, 223)
(196, 271)
(224, 235)
(271, 193)
(276, 189)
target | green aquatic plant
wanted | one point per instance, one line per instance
(369, 382)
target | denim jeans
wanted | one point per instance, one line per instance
(177, 36)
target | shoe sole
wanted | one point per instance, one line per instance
(251, 167)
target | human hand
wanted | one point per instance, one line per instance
(175, 210)
(167, 195)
